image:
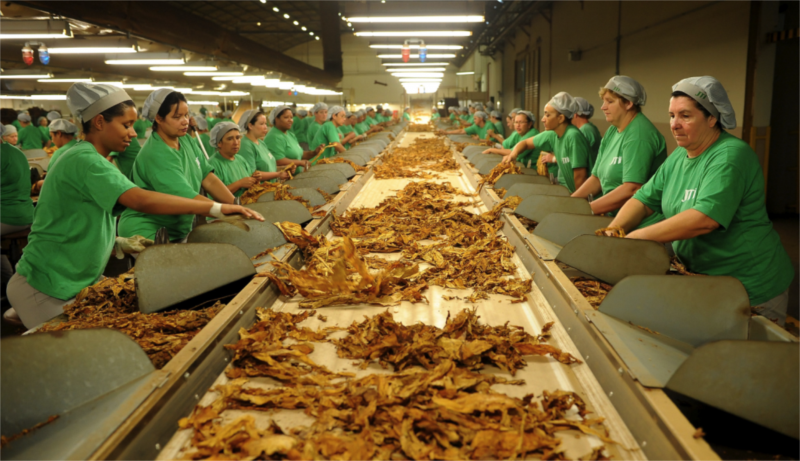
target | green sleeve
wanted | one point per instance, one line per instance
(638, 160)
(578, 152)
(169, 178)
(103, 184)
(276, 145)
(652, 191)
(471, 129)
(722, 192)
(545, 141)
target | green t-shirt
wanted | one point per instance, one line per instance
(16, 206)
(126, 158)
(211, 122)
(362, 127)
(631, 156)
(435, 116)
(74, 224)
(298, 129)
(530, 156)
(230, 171)
(593, 137)
(476, 130)
(17, 124)
(161, 168)
(45, 132)
(206, 140)
(227, 120)
(284, 145)
(726, 184)
(496, 127)
(30, 137)
(371, 121)
(571, 151)
(326, 135)
(60, 151)
(140, 127)
(312, 130)
(406, 116)
(344, 130)
(258, 156)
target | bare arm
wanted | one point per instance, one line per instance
(522, 146)
(164, 204)
(616, 198)
(683, 226)
(591, 186)
(217, 189)
(496, 151)
(579, 176)
(631, 215)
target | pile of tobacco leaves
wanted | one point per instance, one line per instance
(327, 161)
(419, 127)
(435, 405)
(430, 154)
(112, 303)
(498, 171)
(282, 192)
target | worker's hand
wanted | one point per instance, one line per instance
(489, 151)
(37, 187)
(247, 213)
(306, 165)
(547, 158)
(319, 149)
(135, 244)
(283, 175)
(508, 158)
(248, 182)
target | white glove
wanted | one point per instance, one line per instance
(135, 244)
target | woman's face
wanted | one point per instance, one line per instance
(11, 138)
(229, 144)
(338, 118)
(510, 122)
(614, 108)
(321, 116)
(284, 121)
(522, 125)
(176, 123)
(42, 121)
(479, 121)
(59, 138)
(351, 120)
(116, 135)
(259, 128)
(552, 118)
(688, 124)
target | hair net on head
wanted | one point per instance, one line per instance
(245, 118)
(527, 114)
(318, 107)
(480, 114)
(349, 114)
(463, 110)
(24, 118)
(9, 129)
(516, 109)
(53, 115)
(478, 106)
(564, 103)
(370, 109)
(584, 107)
(202, 123)
(39, 120)
(86, 100)
(154, 101)
(334, 110)
(227, 113)
(220, 130)
(302, 112)
(709, 93)
(496, 114)
(63, 125)
(406, 109)
(629, 88)
(276, 112)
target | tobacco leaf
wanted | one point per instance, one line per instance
(4, 441)
(594, 291)
(616, 232)
(331, 160)
(498, 171)
(424, 154)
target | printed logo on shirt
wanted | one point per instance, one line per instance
(198, 162)
(689, 194)
(616, 161)
(564, 159)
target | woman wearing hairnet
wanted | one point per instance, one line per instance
(581, 121)
(299, 126)
(328, 135)
(711, 192)
(65, 136)
(569, 147)
(43, 122)
(407, 114)
(320, 113)
(523, 129)
(435, 114)
(478, 130)
(494, 126)
(282, 142)
(233, 169)
(64, 254)
(30, 137)
(630, 153)
(347, 131)
(11, 135)
(15, 195)
(168, 163)
(253, 124)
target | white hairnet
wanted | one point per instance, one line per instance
(370, 109)
(63, 125)
(227, 113)
(406, 109)
(202, 123)
(24, 118)
(629, 88)
(276, 112)
(86, 100)
(53, 115)
(481, 114)
(564, 103)
(349, 114)
(527, 114)
(584, 107)
(318, 107)
(496, 114)
(246, 117)
(220, 130)
(709, 93)
(302, 112)
(334, 110)
(463, 110)
(516, 109)
(153, 103)
(478, 107)
(9, 129)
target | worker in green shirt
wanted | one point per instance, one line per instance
(253, 123)
(64, 255)
(202, 133)
(65, 136)
(283, 144)
(42, 127)
(328, 135)
(30, 137)
(16, 122)
(711, 192)
(407, 114)
(510, 123)
(477, 130)
(124, 160)
(346, 130)
(370, 119)
(168, 163)
(495, 123)
(299, 126)
(15, 196)
(226, 116)
(233, 170)
(320, 115)
(435, 116)
(581, 121)
(203, 111)
(140, 126)
(10, 135)
(453, 116)
(630, 153)
(568, 145)
(523, 129)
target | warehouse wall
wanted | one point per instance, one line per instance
(708, 41)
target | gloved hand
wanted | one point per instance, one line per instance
(135, 244)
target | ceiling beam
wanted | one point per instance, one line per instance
(169, 25)
(331, 38)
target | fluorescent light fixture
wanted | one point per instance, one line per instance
(285, 85)
(414, 64)
(204, 103)
(272, 82)
(286, 15)
(220, 93)
(214, 74)
(275, 9)
(419, 74)
(416, 19)
(274, 103)
(151, 59)
(303, 28)
(416, 47)
(311, 33)
(184, 68)
(465, 73)
(38, 97)
(428, 33)
(416, 56)
(248, 79)
(33, 29)
(316, 38)
(25, 74)
(119, 84)
(65, 80)
(420, 80)
(296, 23)
(418, 69)
(90, 50)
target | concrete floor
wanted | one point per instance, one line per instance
(788, 228)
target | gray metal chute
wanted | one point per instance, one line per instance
(334, 175)
(508, 180)
(524, 190)
(260, 236)
(537, 207)
(612, 259)
(312, 195)
(330, 186)
(344, 168)
(561, 228)
(282, 210)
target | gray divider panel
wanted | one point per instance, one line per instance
(330, 186)
(312, 195)
(531, 171)
(369, 150)
(355, 158)
(612, 259)
(537, 207)
(282, 210)
(92, 379)
(343, 168)
(524, 190)
(508, 180)
(471, 152)
(460, 138)
(365, 155)
(331, 174)
(755, 380)
(169, 274)
(260, 237)
(560, 228)
(486, 159)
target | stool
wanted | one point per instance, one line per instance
(12, 247)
